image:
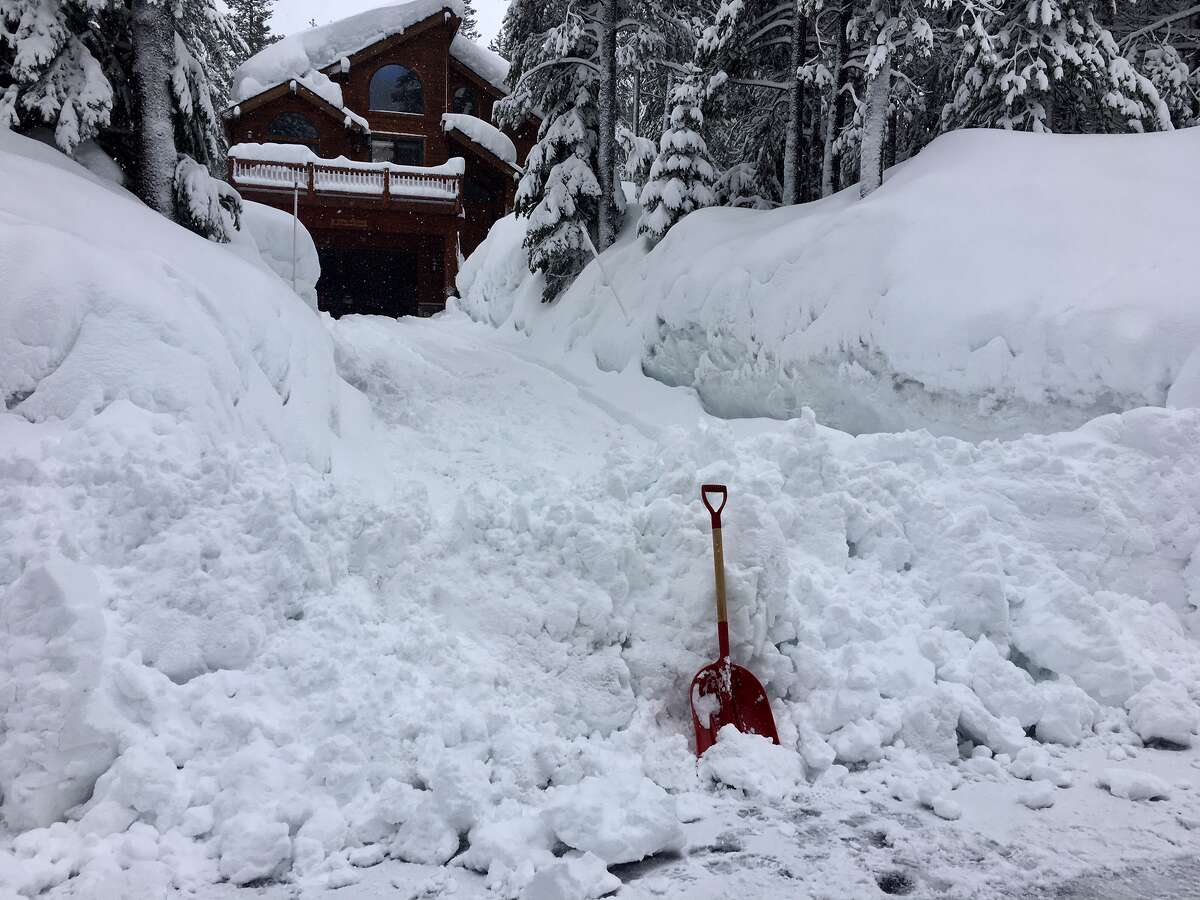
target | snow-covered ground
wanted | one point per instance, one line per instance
(308, 605)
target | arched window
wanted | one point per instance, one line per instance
(396, 89)
(464, 101)
(293, 128)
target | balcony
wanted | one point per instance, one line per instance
(436, 189)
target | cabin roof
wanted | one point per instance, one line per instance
(328, 46)
(486, 140)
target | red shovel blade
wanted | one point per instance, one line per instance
(725, 694)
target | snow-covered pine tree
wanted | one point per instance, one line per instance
(252, 21)
(560, 193)
(52, 77)
(469, 28)
(682, 177)
(1049, 65)
(544, 40)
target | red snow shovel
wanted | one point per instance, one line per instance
(722, 693)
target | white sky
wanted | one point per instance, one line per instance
(293, 15)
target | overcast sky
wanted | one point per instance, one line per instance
(293, 15)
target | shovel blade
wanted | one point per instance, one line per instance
(725, 694)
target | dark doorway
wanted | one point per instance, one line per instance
(370, 282)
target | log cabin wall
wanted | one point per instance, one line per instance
(334, 140)
(426, 54)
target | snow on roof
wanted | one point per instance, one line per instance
(491, 67)
(304, 51)
(484, 134)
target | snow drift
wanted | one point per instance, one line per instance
(998, 283)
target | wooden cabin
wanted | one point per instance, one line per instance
(386, 147)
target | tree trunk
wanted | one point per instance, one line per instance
(637, 103)
(608, 121)
(153, 28)
(791, 141)
(870, 160)
(836, 114)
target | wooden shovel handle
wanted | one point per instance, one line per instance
(718, 562)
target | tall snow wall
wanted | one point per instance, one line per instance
(998, 283)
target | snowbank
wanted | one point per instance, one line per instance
(144, 371)
(998, 283)
(301, 53)
(483, 133)
(273, 232)
(83, 325)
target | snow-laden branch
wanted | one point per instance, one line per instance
(762, 83)
(1154, 26)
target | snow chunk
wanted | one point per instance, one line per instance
(1067, 713)
(1131, 784)
(752, 764)
(620, 818)
(298, 153)
(1040, 796)
(253, 846)
(574, 877)
(1163, 711)
(483, 133)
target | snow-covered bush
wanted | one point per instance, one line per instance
(206, 205)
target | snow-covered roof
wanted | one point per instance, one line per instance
(490, 66)
(485, 134)
(305, 51)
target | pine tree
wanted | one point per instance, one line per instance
(682, 177)
(469, 28)
(144, 77)
(560, 193)
(1049, 65)
(53, 77)
(251, 19)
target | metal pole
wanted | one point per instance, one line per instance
(295, 221)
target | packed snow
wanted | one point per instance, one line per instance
(307, 604)
(898, 311)
(484, 134)
(304, 54)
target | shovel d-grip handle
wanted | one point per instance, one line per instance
(718, 561)
(705, 490)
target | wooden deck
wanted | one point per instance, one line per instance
(374, 185)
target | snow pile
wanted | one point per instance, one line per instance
(273, 232)
(998, 283)
(145, 374)
(303, 53)
(89, 338)
(484, 134)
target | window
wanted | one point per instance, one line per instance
(464, 101)
(396, 89)
(293, 128)
(405, 151)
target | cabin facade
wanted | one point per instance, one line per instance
(386, 150)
